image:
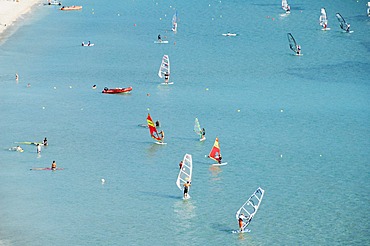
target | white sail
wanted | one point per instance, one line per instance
(165, 67)
(250, 207)
(284, 5)
(185, 172)
(368, 9)
(323, 18)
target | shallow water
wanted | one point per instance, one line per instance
(302, 132)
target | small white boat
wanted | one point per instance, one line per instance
(54, 2)
(229, 34)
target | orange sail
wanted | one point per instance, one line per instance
(153, 129)
(215, 153)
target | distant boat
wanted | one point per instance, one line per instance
(215, 154)
(106, 90)
(293, 45)
(198, 130)
(87, 44)
(174, 22)
(164, 70)
(342, 23)
(229, 34)
(71, 7)
(153, 131)
(285, 6)
(323, 20)
(54, 2)
(250, 208)
(185, 172)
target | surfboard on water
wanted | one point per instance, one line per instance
(46, 169)
(325, 29)
(229, 34)
(169, 83)
(161, 42)
(220, 164)
(239, 231)
(160, 143)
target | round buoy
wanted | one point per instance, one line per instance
(238, 110)
(281, 110)
(55, 88)
(43, 107)
(207, 89)
(148, 109)
(281, 156)
(102, 181)
(70, 87)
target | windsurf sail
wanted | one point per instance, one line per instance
(174, 22)
(292, 43)
(197, 128)
(343, 24)
(185, 172)
(215, 153)
(164, 69)
(250, 207)
(152, 129)
(285, 6)
(368, 9)
(323, 18)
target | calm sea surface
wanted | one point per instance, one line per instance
(299, 127)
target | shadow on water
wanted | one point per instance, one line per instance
(157, 194)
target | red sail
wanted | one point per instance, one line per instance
(152, 129)
(215, 151)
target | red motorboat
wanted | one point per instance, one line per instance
(117, 90)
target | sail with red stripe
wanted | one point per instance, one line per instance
(215, 153)
(152, 129)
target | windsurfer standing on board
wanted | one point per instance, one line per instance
(186, 189)
(241, 221)
(166, 77)
(45, 142)
(159, 38)
(219, 159)
(53, 165)
(38, 148)
(298, 49)
(180, 164)
(203, 132)
(161, 134)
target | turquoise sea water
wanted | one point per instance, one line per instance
(302, 132)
